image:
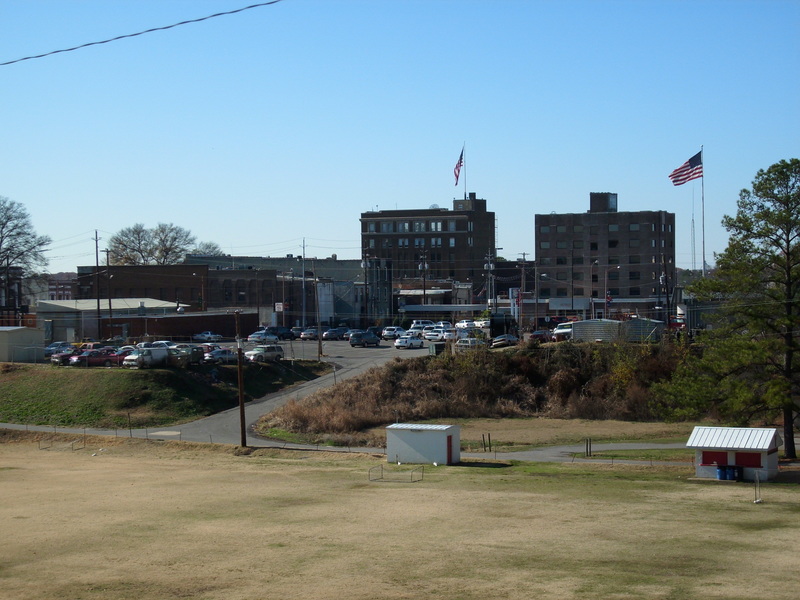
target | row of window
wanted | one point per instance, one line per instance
(613, 275)
(434, 242)
(612, 227)
(580, 292)
(633, 259)
(417, 226)
(579, 244)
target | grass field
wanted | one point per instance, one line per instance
(132, 519)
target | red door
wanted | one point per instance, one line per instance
(449, 449)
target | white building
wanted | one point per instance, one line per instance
(749, 451)
(421, 444)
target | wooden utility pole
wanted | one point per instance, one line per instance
(240, 373)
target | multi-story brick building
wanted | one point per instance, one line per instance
(431, 244)
(584, 258)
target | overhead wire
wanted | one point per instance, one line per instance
(130, 35)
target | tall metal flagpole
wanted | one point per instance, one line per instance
(703, 207)
(464, 166)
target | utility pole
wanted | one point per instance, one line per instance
(240, 376)
(97, 278)
(522, 292)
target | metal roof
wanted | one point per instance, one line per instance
(419, 426)
(734, 438)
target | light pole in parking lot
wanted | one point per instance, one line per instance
(423, 267)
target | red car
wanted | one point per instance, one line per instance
(96, 358)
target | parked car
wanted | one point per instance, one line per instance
(222, 356)
(408, 341)
(483, 323)
(309, 334)
(444, 324)
(334, 333)
(562, 332)
(415, 330)
(465, 323)
(57, 347)
(283, 333)
(450, 334)
(367, 338)
(262, 337)
(541, 335)
(349, 332)
(296, 331)
(146, 357)
(264, 353)
(504, 340)
(391, 333)
(434, 335)
(469, 344)
(96, 358)
(421, 323)
(207, 336)
(62, 358)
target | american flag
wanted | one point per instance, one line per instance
(459, 164)
(691, 169)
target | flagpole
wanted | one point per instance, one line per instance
(703, 207)
(463, 153)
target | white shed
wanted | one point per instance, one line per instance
(21, 344)
(735, 452)
(421, 444)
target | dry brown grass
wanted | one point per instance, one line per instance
(131, 519)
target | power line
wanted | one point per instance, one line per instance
(130, 35)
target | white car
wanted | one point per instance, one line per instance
(450, 334)
(391, 333)
(408, 341)
(434, 335)
(207, 336)
(262, 336)
(483, 323)
(416, 331)
(264, 353)
(469, 344)
(465, 324)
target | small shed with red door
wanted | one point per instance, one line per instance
(735, 453)
(423, 444)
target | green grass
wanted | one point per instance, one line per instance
(116, 397)
(669, 454)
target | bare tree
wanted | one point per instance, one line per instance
(165, 244)
(21, 250)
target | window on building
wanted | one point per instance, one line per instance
(371, 227)
(544, 229)
(452, 242)
(635, 259)
(613, 227)
(470, 242)
(403, 227)
(546, 261)
(633, 227)
(419, 242)
(577, 276)
(371, 243)
(635, 291)
(594, 229)
(386, 243)
(436, 242)
(544, 292)
(561, 275)
(577, 229)
(592, 245)
(419, 226)
(436, 225)
(561, 292)
(633, 243)
(577, 260)
(561, 229)
(613, 243)
(578, 291)
(544, 245)
(634, 275)
(613, 260)
(613, 275)
(562, 244)
(386, 227)
(561, 260)
(577, 244)
(451, 225)
(402, 243)
(470, 226)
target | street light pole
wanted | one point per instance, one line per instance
(605, 311)
(423, 267)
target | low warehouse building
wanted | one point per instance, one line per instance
(738, 453)
(421, 444)
(21, 344)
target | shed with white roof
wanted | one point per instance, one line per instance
(421, 444)
(735, 452)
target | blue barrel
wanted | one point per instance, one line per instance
(732, 473)
(722, 473)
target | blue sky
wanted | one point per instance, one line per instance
(284, 123)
